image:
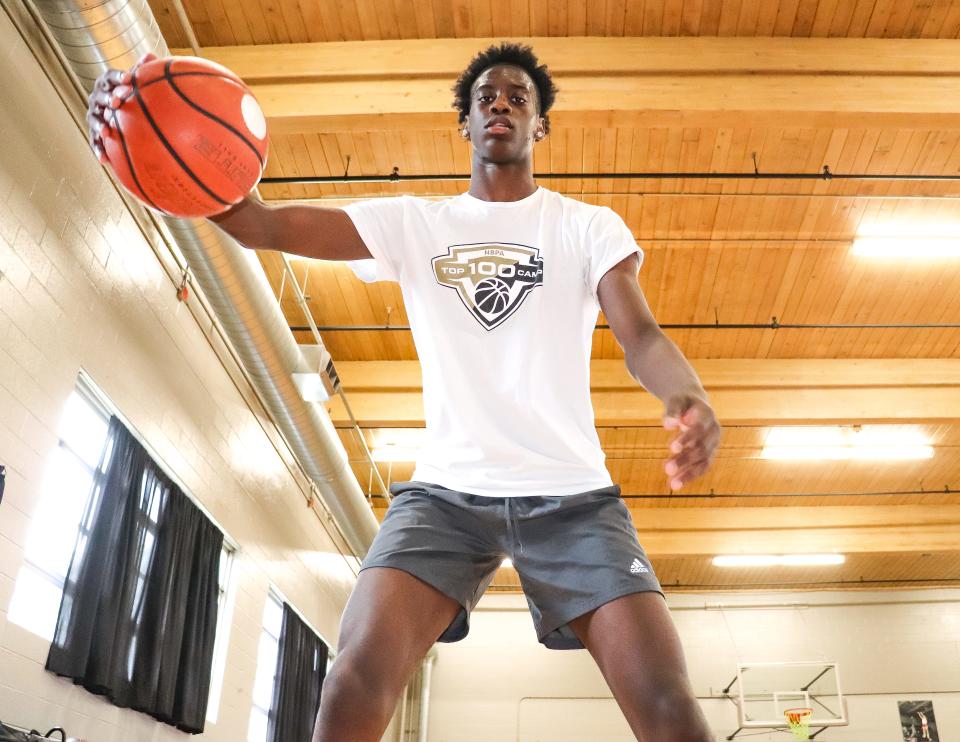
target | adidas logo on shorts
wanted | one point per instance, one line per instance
(638, 567)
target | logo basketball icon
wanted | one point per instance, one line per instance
(492, 295)
(491, 279)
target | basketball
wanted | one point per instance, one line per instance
(188, 139)
(492, 295)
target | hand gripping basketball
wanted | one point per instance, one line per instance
(182, 134)
(104, 97)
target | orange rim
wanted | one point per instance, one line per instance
(798, 715)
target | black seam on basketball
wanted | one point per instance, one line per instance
(133, 172)
(181, 74)
(173, 153)
(212, 116)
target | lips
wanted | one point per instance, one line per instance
(499, 126)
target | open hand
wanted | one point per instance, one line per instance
(692, 451)
(107, 94)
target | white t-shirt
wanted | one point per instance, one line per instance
(502, 302)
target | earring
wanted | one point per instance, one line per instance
(539, 135)
(465, 133)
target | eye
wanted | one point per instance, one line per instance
(483, 98)
(519, 99)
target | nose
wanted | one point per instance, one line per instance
(501, 105)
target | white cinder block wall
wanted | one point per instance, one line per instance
(500, 684)
(82, 288)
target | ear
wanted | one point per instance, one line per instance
(541, 131)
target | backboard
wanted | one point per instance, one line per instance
(766, 689)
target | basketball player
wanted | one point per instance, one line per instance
(502, 286)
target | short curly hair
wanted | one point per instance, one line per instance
(516, 55)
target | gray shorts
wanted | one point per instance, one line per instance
(573, 553)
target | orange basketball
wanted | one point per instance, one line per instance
(188, 139)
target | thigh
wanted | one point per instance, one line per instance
(633, 637)
(391, 620)
(636, 646)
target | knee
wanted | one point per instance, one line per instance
(347, 674)
(676, 714)
(352, 675)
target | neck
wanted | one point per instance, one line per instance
(510, 181)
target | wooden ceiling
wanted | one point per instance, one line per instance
(232, 23)
(754, 278)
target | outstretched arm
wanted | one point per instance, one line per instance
(657, 363)
(310, 231)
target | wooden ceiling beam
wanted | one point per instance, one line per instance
(743, 391)
(826, 406)
(666, 101)
(669, 82)
(797, 530)
(589, 56)
(716, 373)
(842, 540)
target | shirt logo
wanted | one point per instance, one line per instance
(638, 567)
(491, 278)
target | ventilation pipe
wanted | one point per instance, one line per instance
(425, 694)
(95, 35)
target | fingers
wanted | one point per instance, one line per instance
(119, 94)
(109, 91)
(689, 473)
(692, 451)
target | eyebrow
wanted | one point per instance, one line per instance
(515, 86)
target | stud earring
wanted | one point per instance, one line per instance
(465, 133)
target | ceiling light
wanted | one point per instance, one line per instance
(844, 443)
(907, 247)
(777, 560)
(508, 562)
(906, 239)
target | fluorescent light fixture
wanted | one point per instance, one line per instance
(902, 239)
(801, 443)
(907, 247)
(778, 560)
(508, 562)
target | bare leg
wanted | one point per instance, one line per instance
(390, 622)
(636, 646)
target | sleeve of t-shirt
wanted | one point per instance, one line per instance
(380, 223)
(608, 242)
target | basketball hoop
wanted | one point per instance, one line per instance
(799, 721)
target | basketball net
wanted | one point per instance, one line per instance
(799, 721)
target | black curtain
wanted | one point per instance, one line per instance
(138, 616)
(301, 667)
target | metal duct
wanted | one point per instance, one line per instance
(95, 35)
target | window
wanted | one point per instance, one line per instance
(224, 620)
(57, 527)
(266, 669)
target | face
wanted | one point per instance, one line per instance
(503, 120)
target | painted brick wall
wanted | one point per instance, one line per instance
(81, 287)
(500, 684)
